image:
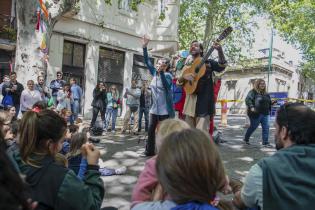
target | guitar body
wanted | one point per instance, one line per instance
(191, 86)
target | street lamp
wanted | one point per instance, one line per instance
(270, 57)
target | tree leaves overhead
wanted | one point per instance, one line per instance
(204, 20)
(295, 20)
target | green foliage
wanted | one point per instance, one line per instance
(204, 20)
(133, 3)
(7, 32)
(295, 20)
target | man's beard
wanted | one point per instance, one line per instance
(279, 145)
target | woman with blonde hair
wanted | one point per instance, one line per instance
(191, 174)
(113, 102)
(258, 104)
(147, 182)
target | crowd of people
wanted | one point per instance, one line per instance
(63, 97)
(48, 162)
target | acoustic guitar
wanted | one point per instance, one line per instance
(198, 67)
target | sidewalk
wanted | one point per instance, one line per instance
(123, 150)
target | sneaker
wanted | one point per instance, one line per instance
(267, 145)
(144, 154)
(121, 170)
(94, 140)
(113, 131)
(246, 142)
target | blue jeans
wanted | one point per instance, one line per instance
(75, 109)
(145, 111)
(254, 123)
(110, 113)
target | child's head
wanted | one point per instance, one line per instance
(39, 106)
(77, 140)
(41, 133)
(72, 129)
(13, 131)
(189, 167)
(167, 127)
(5, 121)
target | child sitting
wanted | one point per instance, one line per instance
(72, 129)
(78, 162)
(147, 182)
(189, 169)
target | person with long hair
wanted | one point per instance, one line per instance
(98, 103)
(258, 104)
(53, 185)
(191, 174)
(11, 110)
(12, 188)
(78, 161)
(147, 181)
(113, 102)
(162, 100)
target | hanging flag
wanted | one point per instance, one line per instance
(38, 19)
(43, 45)
(44, 9)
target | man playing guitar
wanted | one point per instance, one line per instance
(200, 106)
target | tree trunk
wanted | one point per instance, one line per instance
(209, 26)
(29, 61)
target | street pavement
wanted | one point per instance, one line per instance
(123, 150)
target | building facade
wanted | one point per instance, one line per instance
(102, 43)
(7, 36)
(284, 76)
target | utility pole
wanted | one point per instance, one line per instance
(270, 57)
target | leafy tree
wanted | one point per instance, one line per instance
(294, 19)
(205, 19)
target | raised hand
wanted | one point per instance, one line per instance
(145, 41)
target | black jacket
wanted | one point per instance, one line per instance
(260, 102)
(205, 97)
(99, 99)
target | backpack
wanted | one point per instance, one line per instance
(96, 131)
(7, 100)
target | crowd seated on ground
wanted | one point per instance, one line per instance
(186, 173)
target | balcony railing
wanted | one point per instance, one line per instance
(7, 27)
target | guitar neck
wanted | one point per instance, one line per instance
(205, 57)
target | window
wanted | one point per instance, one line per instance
(73, 54)
(111, 67)
(139, 69)
(124, 5)
(73, 62)
(231, 84)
